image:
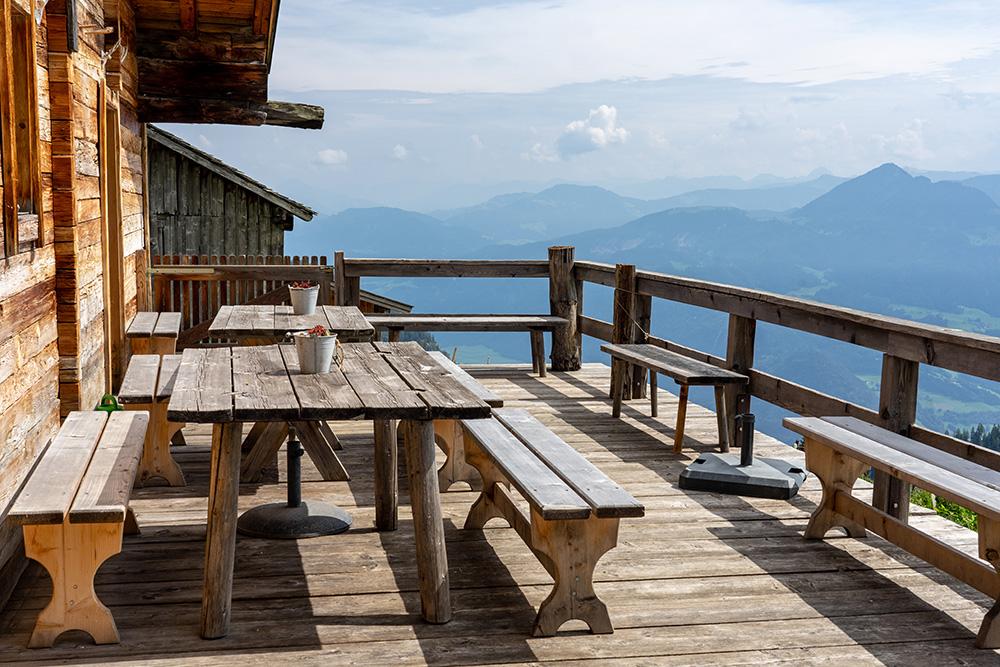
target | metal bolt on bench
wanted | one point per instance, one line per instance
(294, 519)
(742, 475)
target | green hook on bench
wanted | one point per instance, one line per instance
(109, 404)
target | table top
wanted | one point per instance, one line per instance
(347, 322)
(263, 383)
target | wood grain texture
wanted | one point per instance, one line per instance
(203, 391)
(104, 492)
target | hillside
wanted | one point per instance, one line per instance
(772, 198)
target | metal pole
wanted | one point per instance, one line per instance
(294, 460)
(744, 433)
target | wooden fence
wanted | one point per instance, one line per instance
(196, 286)
(904, 344)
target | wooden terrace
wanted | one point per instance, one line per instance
(702, 579)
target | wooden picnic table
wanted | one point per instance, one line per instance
(383, 382)
(262, 323)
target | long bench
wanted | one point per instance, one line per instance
(839, 449)
(685, 371)
(74, 509)
(148, 385)
(448, 432)
(154, 333)
(574, 509)
(535, 325)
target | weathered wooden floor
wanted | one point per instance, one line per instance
(702, 579)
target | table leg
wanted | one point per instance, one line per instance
(386, 479)
(220, 543)
(428, 524)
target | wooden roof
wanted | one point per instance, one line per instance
(207, 61)
(217, 166)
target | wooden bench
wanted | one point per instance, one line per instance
(448, 432)
(73, 510)
(535, 325)
(840, 449)
(148, 385)
(154, 333)
(685, 371)
(574, 514)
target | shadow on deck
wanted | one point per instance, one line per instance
(702, 579)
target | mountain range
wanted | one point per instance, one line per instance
(885, 241)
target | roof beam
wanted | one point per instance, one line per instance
(291, 114)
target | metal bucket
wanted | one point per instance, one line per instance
(303, 299)
(315, 352)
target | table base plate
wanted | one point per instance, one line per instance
(279, 521)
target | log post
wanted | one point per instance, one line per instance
(564, 302)
(623, 324)
(739, 358)
(640, 333)
(898, 410)
(348, 289)
(325, 293)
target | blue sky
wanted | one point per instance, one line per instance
(423, 98)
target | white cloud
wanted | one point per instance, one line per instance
(908, 143)
(509, 46)
(599, 130)
(477, 141)
(333, 156)
(399, 152)
(204, 142)
(540, 153)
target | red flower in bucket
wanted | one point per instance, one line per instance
(318, 330)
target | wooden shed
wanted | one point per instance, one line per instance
(199, 205)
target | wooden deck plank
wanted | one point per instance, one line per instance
(702, 579)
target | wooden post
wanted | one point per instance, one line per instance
(348, 289)
(325, 293)
(220, 541)
(564, 302)
(643, 318)
(739, 358)
(386, 479)
(623, 326)
(898, 409)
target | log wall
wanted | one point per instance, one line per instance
(53, 336)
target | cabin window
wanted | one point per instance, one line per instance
(19, 159)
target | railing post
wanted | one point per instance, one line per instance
(325, 292)
(623, 320)
(348, 289)
(564, 302)
(898, 409)
(739, 358)
(643, 314)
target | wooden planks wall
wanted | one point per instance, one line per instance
(194, 211)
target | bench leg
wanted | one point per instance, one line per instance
(837, 474)
(386, 475)
(989, 550)
(618, 377)
(72, 553)
(682, 407)
(722, 418)
(569, 550)
(654, 408)
(484, 508)
(157, 462)
(538, 352)
(131, 523)
(449, 436)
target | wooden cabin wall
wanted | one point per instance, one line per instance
(194, 211)
(52, 304)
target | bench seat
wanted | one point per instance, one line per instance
(74, 510)
(685, 371)
(147, 385)
(839, 449)
(574, 509)
(535, 325)
(154, 333)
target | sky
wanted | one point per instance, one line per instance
(435, 104)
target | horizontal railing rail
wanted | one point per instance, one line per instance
(446, 268)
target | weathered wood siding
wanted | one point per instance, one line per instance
(52, 303)
(194, 211)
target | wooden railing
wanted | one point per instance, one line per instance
(904, 344)
(196, 286)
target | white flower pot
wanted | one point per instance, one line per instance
(315, 352)
(303, 299)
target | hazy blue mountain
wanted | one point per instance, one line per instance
(562, 209)
(771, 198)
(990, 184)
(381, 232)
